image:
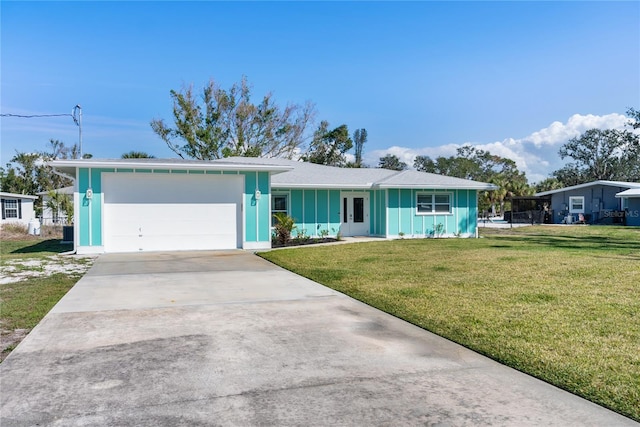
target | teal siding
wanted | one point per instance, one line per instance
(334, 211)
(89, 221)
(309, 216)
(251, 207)
(393, 200)
(313, 210)
(322, 208)
(82, 220)
(402, 216)
(264, 213)
(406, 212)
(296, 206)
(96, 207)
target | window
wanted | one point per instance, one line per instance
(10, 209)
(624, 203)
(433, 203)
(279, 203)
(576, 204)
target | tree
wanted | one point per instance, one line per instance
(548, 184)
(600, 154)
(634, 118)
(391, 161)
(359, 139)
(28, 173)
(328, 147)
(480, 165)
(59, 202)
(137, 155)
(226, 123)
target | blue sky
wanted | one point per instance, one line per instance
(517, 78)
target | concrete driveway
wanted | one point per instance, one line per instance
(226, 338)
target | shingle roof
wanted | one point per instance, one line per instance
(294, 174)
(592, 183)
(632, 192)
(310, 175)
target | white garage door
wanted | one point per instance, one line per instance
(166, 212)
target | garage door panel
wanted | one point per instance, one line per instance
(191, 212)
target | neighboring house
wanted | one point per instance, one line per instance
(596, 201)
(17, 208)
(127, 205)
(630, 200)
(48, 217)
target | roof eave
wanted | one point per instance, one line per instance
(169, 165)
(487, 187)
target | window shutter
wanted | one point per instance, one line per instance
(19, 209)
(3, 214)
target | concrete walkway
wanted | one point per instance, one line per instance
(226, 338)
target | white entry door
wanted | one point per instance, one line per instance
(355, 214)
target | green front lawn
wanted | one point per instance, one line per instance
(25, 302)
(559, 303)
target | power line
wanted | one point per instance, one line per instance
(36, 115)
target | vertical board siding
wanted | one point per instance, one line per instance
(309, 222)
(251, 207)
(83, 224)
(256, 213)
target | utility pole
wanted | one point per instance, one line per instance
(78, 121)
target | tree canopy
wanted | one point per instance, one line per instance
(137, 155)
(359, 139)
(328, 147)
(28, 173)
(223, 123)
(392, 162)
(602, 154)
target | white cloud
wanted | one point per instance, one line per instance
(535, 154)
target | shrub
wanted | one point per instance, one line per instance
(283, 227)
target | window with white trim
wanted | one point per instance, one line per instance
(10, 209)
(279, 203)
(624, 203)
(576, 204)
(433, 203)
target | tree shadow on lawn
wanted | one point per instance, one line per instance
(51, 245)
(588, 243)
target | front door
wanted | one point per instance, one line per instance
(355, 214)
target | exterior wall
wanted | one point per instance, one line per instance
(633, 213)
(313, 210)
(403, 220)
(379, 213)
(598, 199)
(391, 212)
(25, 211)
(88, 212)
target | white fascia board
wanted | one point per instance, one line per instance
(17, 196)
(590, 184)
(168, 165)
(439, 186)
(322, 186)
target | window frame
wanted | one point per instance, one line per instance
(572, 200)
(287, 210)
(14, 209)
(433, 203)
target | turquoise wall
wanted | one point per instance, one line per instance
(89, 215)
(313, 210)
(402, 216)
(391, 212)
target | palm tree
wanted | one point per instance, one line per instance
(137, 155)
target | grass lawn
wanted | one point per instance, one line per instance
(24, 303)
(559, 303)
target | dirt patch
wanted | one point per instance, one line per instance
(15, 271)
